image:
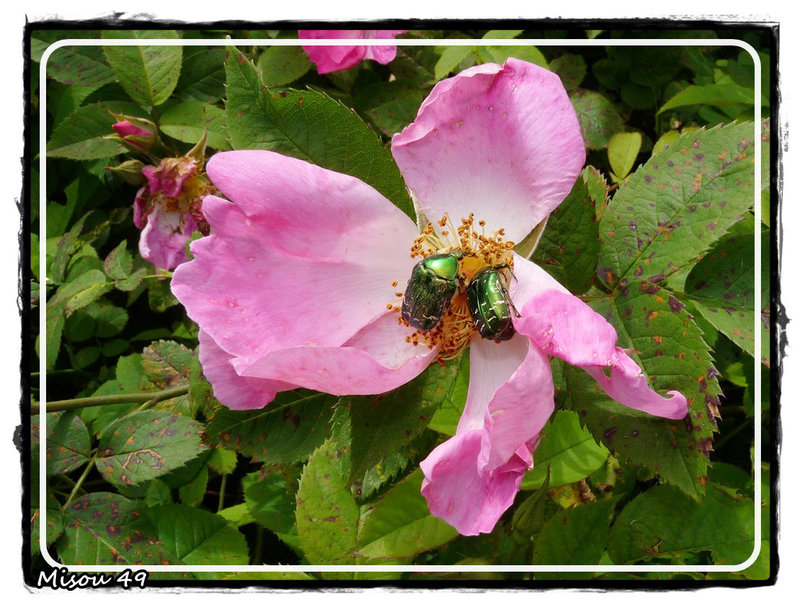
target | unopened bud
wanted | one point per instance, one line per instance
(137, 134)
(129, 171)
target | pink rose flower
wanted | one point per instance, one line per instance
(297, 284)
(168, 210)
(137, 134)
(336, 58)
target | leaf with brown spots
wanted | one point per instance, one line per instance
(674, 207)
(146, 445)
(327, 514)
(107, 529)
(68, 443)
(722, 287)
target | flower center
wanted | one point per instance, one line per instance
(478, 250)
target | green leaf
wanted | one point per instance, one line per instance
(622, 151)
(678, 204)
(669, 348)
(108, 319)
(445, 418)
(391, 106)
(391, 467)
(193, 491)
(202, 74)
(84, 290)
(199, 537)
(146, 445)
(721, 286)
(289, 429)
(148, 74)
(222, 461)
(571, 69)
(167, 364)
(502, 34)
(449, 59)
(576, 536)
(327, 515)
(270, 500)
(81, 136)
(68, 443)
(569, 248)
(373, 428)
(54, 328)
(663, 522)
(281, 65)
(79, 66)
(598, 118)
(569, 451)
(308, 125)
(119, 262)
(107, 529)
(717, 95)
(188, 122)
(400, 525)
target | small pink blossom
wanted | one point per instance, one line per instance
(126, 129)
(168, 209)
(137, 134)
(296, 285)
(336, 58)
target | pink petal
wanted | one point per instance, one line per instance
(309, 211)
(234, 391)
(519, 406)
(126, 129)
(140, 207)
(305, 257)
(169, 176)
(163, 239)
(502, 142)
(336, 58)
(376, 360)
(564, 326)
(470, 500)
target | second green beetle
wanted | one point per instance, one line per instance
(490, 305)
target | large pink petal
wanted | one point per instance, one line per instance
(467, 498)
(564, 326)
(234, 391)
(376, 360)
(163, 239)
(294, 262)
(502, 142)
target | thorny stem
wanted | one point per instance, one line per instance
(86, 402)
(221, 502)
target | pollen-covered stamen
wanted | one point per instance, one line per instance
(453, 331)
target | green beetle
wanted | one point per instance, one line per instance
(490, 305)
(430, 290)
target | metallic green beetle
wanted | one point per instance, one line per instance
(490, 305)
(430, 290)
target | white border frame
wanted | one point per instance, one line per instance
(641, 568)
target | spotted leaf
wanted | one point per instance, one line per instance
(146, 445)
(674, 207)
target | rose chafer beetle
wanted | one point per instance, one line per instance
(430, 290)
(490, 305)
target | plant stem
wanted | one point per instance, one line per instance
(86, 402)
(222, 483)
(78, 484)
